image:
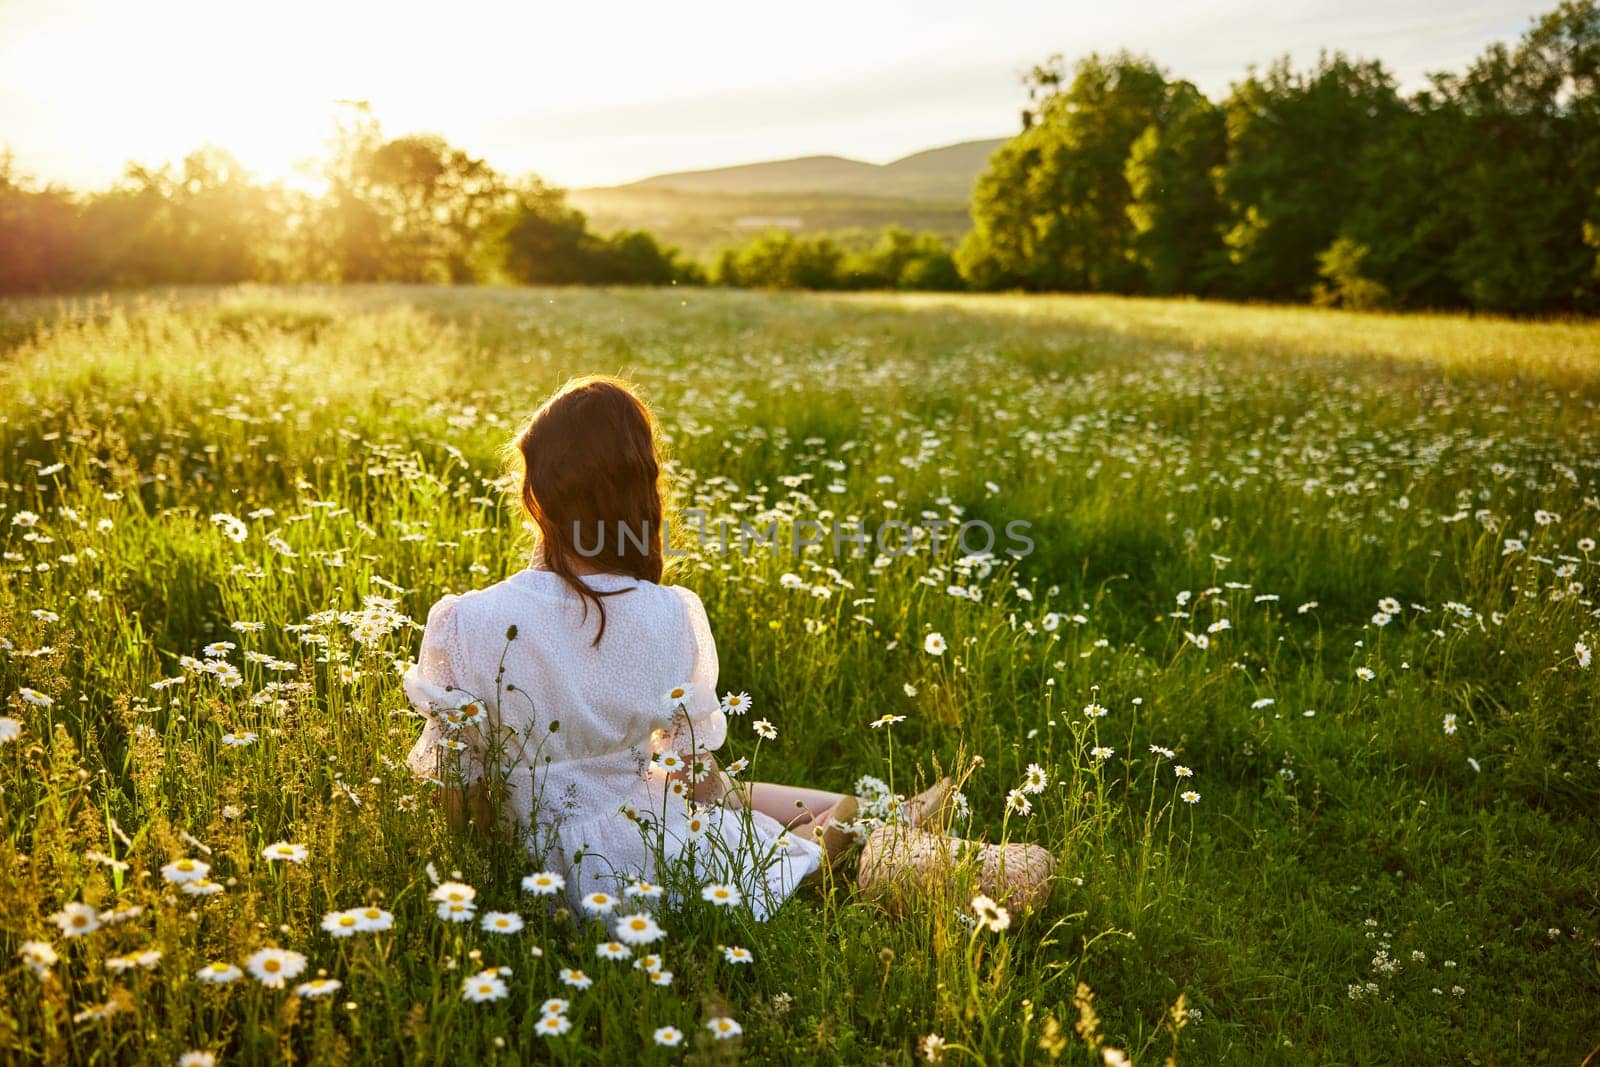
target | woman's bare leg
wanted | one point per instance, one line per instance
(792, 804)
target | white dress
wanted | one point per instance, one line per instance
(579, 727)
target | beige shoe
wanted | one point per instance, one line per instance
(928, 807)
(901, 865)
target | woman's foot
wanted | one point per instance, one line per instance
(927, 807)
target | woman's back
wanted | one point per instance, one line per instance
(570, 726)
(557, 687)
(607, 696)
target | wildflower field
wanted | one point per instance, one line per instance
(1296, 680)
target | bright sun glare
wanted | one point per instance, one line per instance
(591, 95)
(189, 84)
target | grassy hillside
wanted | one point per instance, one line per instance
(704, 223)
(1300, 663)
(937, 174)
(703, 211)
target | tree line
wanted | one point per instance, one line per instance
(1480, 190)
(405, 209)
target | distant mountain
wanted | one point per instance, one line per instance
(938, 174)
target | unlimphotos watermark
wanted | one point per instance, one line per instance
(892, 537)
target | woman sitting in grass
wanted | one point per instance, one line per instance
(576, 700)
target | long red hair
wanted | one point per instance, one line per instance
(592, 483)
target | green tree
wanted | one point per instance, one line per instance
(1526, 166)
(1295, 145)
(901, 259)
(633, 257)
(409, 209)
(1051, 210)
(1407, 217)
(1344, 283)
(780, 260)
(540, 240)
(40, 235)
(435, 200)
(220, 225)
(1176, 214)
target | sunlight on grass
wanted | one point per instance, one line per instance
(1296, 683)
(1565, 352)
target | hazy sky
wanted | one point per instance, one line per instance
(602, 92)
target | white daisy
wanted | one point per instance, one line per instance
(487, 985)
(456, 911)
(599, 903)
(721, 894)
(39, 956)
(613, 950)
(272, 967)
(723, 1028)
(317, 987)
(283, 850)
(544, 883)
(454, 893)
(341, 923)
(77, 919)
(186, 870)
(991, 916)
(638, 929)
(219, 973)
(502, 922)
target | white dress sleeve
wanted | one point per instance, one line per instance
(443, 750)
(705, 726)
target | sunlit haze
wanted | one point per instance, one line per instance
(590, 94)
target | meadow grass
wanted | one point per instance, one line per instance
(1341, 568)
